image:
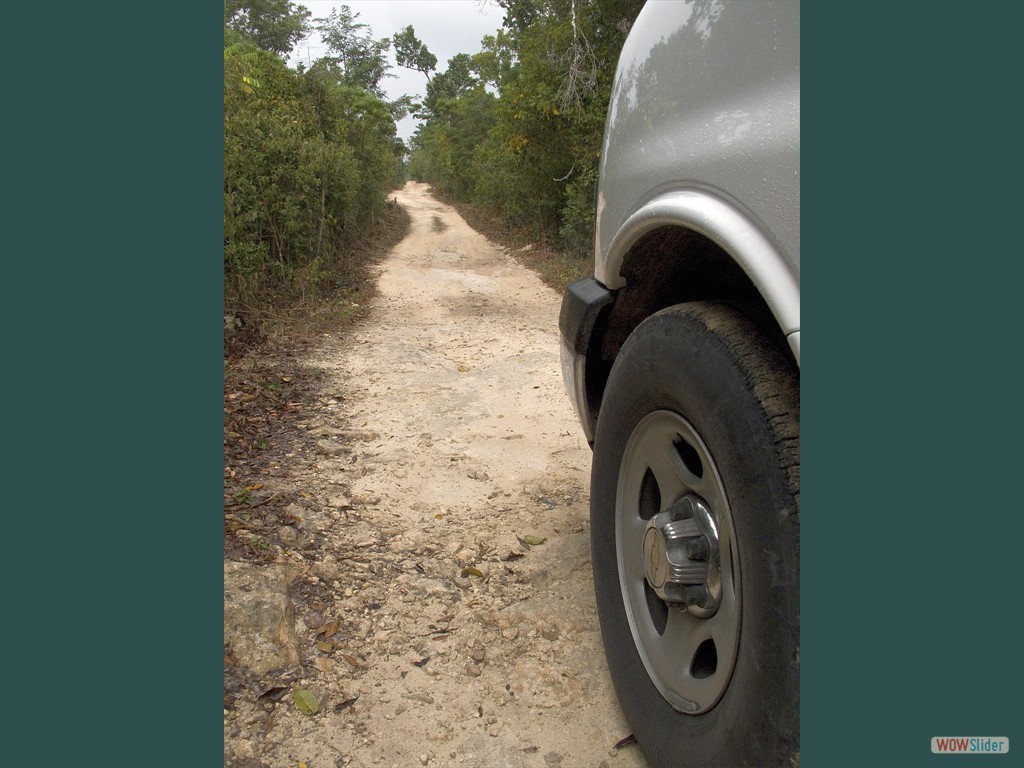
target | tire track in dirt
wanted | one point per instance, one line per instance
(448, 445)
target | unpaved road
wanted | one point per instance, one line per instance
(447, 445)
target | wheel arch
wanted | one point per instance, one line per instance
(691, 244)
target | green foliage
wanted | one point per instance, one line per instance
(308, 158)
(458, 80)
(411, 53)
(273, 25)
(529, 154)
(360, 60)
(309, 155)
(448, 145)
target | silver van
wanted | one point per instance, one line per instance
(681, 356)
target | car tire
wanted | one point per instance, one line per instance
(695, 534)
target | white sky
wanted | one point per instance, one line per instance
(447, 27)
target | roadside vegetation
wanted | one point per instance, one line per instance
(309, 156)
(509, 135)
(512, 135)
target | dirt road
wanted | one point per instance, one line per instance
(440, 576)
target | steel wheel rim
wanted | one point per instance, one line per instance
(689, 659)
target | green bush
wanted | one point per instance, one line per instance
(306, 159)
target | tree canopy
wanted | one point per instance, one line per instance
(359, 59)
(412, 53)
(273, 25)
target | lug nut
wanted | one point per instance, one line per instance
(698, 548)
(697, 594)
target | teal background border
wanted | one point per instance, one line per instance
(112, 378)
(911, 413)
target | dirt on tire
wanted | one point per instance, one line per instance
(437, 566)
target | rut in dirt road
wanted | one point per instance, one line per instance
(450, 512)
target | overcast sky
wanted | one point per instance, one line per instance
(447, 27)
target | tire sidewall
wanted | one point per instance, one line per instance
(675, 361)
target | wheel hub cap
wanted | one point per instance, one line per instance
(681, 558)
(678, 562)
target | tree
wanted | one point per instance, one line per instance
(273, 25)
(448, 86)
(411, 53)
(359, 58)
(531, 154)
(520, 14)
(496, 59)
